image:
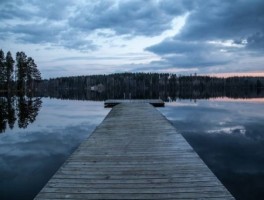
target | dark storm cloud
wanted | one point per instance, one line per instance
(79, 44)
(45, 30)
(28, 9)
(135, 17)
(35, 33)
(169, 46)
(36, 21)
(189, 54)
(256, 41)
(224, 20)
(69, 24)
(11, 10)
(41, 22)
(173, 7)
(239, 21)
(54, 10)
(194, 61)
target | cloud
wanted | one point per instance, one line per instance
(12, 10)
(215, 33)
(148, 18)
(54, 10)
(49, 32)
(35, 33)
(42, 22)
(256, 41)
(224, 20)
(189, 54)
(74, 24)
(74, 39)
(29, 9)
(171, 45)
(173, 7)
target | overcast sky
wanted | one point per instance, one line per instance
(81, 37)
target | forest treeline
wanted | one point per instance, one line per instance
(150, 85)
(19, 75)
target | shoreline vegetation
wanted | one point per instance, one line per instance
(140, 86)
(167, 87)
(22, 77)
(163, 86)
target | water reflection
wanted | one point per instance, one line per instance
(29, 157)
(22, 109)
(229, 137)
(168, 93)
(7, 113)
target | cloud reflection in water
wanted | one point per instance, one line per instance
(29, 157)
(229, 137)
(229, 130)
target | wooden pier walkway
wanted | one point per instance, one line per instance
(113, 102)
(135, 153)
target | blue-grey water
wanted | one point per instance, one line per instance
(29, 157)
(229, 137)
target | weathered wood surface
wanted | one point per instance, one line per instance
(113, 102)
(135, 153)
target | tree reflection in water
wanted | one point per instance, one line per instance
(22, 109)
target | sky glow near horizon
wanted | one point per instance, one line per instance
(81, 37)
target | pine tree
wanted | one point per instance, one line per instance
(9, 62)
(2, 69)
(21, 73)
(33, 74)
(30, 64)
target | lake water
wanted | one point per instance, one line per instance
(228, 136)
(29, 157)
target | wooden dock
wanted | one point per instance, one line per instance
(113, 102)
(135, 153)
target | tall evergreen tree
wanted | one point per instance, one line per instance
(2, 68)
(9, 62)
(30, 64)
(21, 73)
(33, 74)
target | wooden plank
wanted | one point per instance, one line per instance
(115, 196)
(135, 153)
(113, 102)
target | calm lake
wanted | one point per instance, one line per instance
(227, 134)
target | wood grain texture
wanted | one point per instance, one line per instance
(135, 153)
